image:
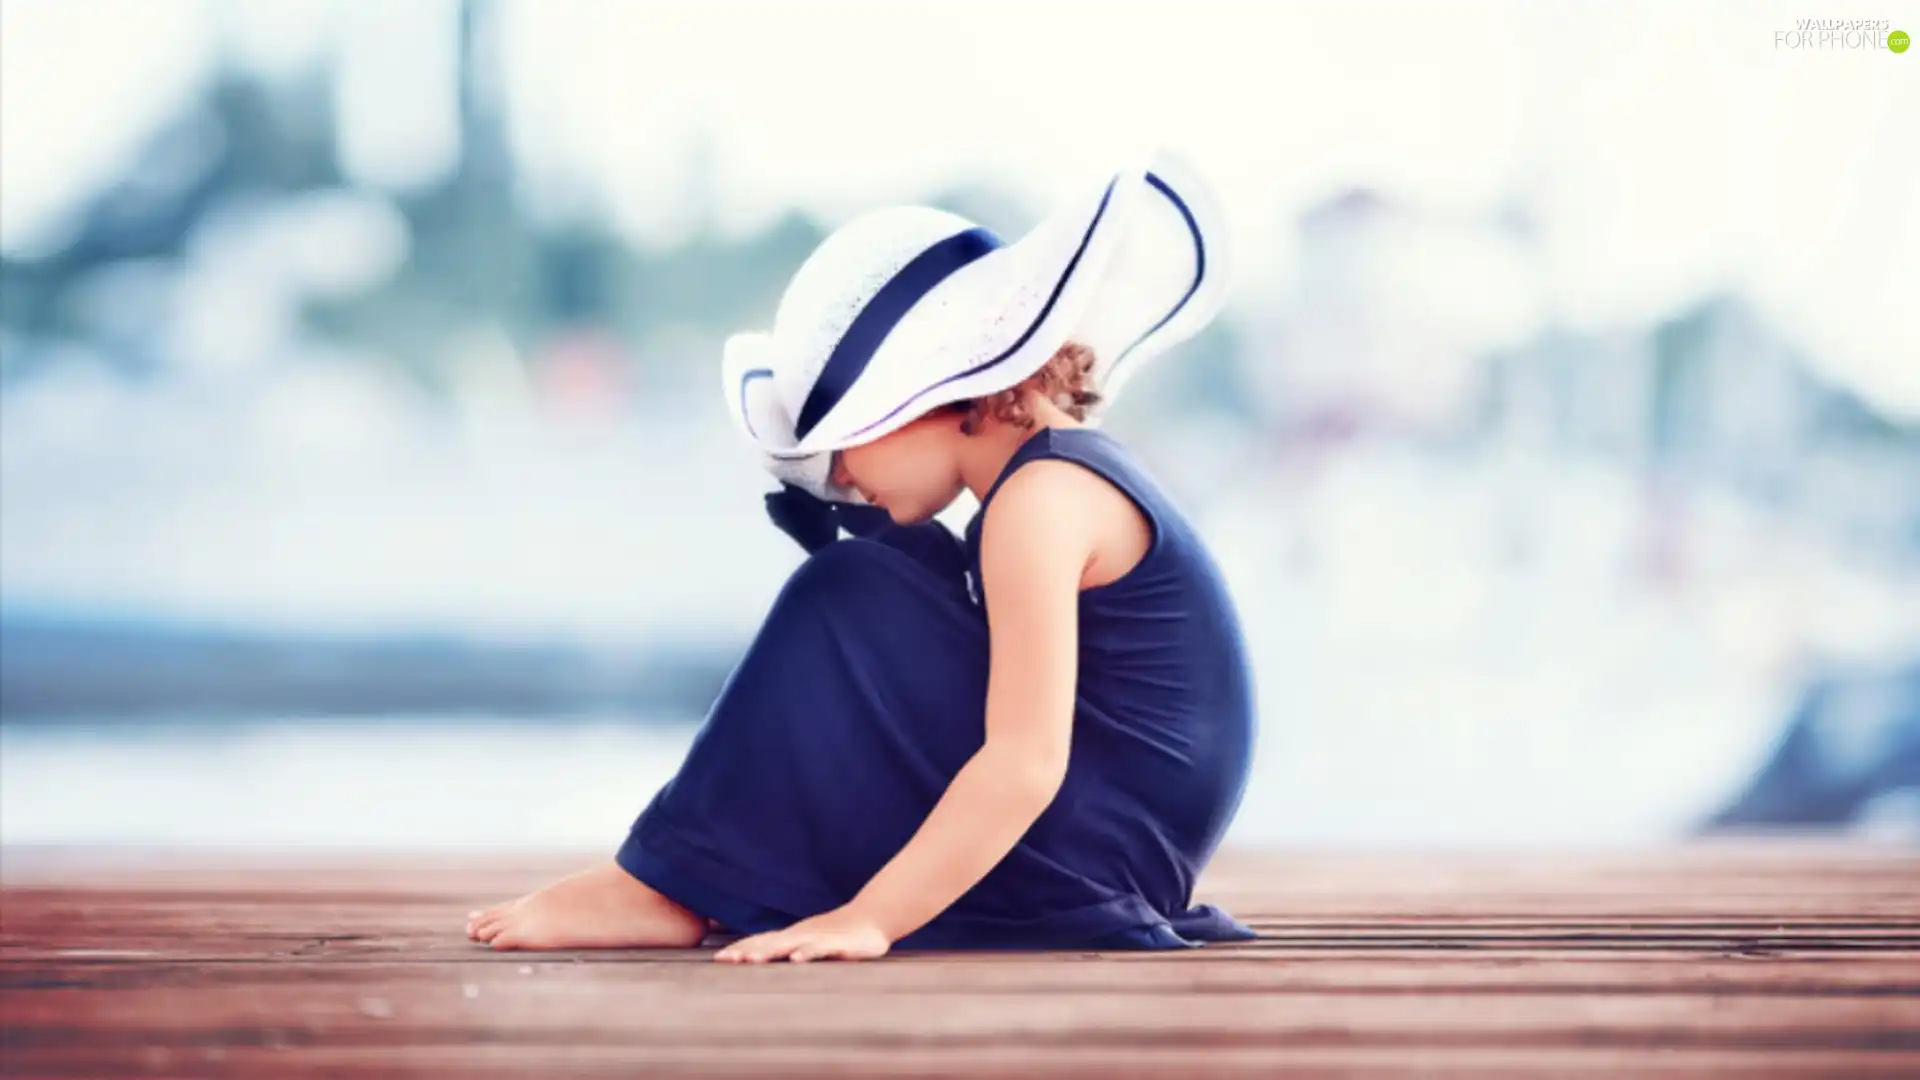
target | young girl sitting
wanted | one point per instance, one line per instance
(1032, 737)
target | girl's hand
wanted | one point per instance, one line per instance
(840, 934)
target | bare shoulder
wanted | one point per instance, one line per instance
(1044, 495)
(1064, 509)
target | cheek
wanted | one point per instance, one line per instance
(865, 470)
(941, 482)
(931, 488)
(900, 467)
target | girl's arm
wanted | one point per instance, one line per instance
(1036, 543)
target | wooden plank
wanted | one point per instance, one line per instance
(1226, 971)
(1748, 960)
(288, 1061)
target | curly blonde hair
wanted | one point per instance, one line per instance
(1066, 380)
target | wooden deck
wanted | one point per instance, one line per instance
(1746, 959)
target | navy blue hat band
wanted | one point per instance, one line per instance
(881, 314)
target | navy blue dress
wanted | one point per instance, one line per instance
(865, 692)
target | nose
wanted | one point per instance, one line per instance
(842, 477)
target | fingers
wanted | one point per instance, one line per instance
(799, 946)
(757, 949)
(823, 951)
(779, 945)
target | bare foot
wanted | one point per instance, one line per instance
(600, 908)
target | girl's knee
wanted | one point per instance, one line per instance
(841, 573)
(841, 565)
(932, 546)
(880, 593)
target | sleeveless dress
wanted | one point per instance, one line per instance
(864, 692)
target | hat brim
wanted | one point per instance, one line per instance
(1167, 281)
(746, 376)
(1128, 269)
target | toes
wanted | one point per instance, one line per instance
(477, 919)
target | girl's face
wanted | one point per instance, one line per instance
(913, 472)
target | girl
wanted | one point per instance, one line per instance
(1032, 737)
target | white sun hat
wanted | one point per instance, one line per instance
(907, 308)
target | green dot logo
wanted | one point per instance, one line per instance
(1898, 41)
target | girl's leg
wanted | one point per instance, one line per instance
(609, 906)
(602, 907)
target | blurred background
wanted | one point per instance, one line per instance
(364, 478)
